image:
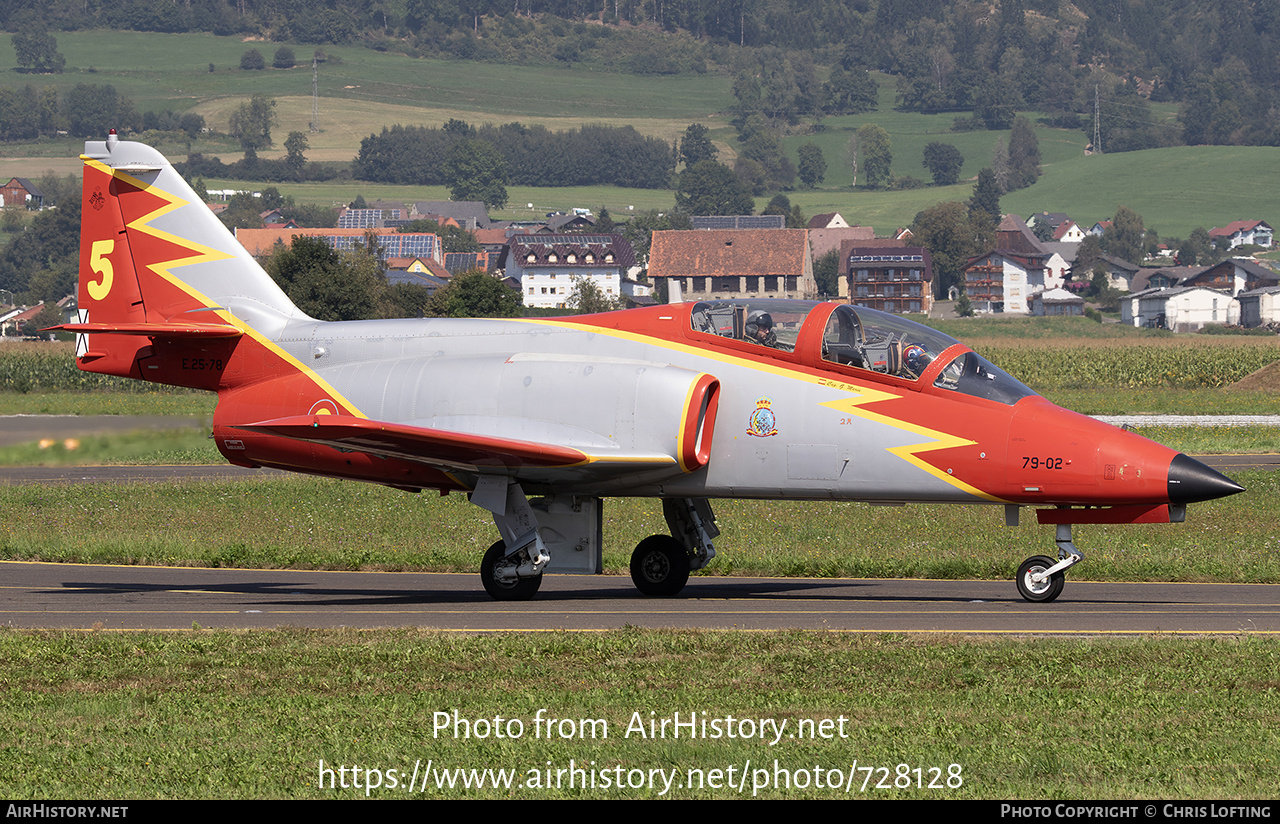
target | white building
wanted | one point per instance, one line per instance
(1181, 309)
(1004, 281)
(1259, 307)
(1242, 233)
(547, 265)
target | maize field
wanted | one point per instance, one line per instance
(1187, 362)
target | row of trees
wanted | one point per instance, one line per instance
(954, 231)
(41, 262)
(253, 61)
(1015, 167)
(533, 155)
(85, 110)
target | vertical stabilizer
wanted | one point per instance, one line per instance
(144, 226)
(158, 270)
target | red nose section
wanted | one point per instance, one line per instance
(1058, 457)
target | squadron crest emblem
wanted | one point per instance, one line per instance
(96, 200)
(763, 423)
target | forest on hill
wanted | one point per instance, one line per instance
(1217, 59)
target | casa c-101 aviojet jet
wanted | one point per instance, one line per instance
(538, 420)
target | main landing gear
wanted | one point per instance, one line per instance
(564, 533)
(661, 564)
(500, 575)
(1040, 578)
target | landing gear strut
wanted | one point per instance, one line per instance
(1040, 578)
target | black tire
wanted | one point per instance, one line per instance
(660, 566)
(522, 589)
(1045, 591)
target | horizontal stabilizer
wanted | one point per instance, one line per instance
(447, 449)
(156, 330)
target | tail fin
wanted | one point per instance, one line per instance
(156, 263)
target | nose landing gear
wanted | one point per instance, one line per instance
(1040, 578)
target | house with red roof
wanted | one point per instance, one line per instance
(713, 264)
(1242, 233)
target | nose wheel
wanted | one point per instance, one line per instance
(1040, 578)
(1034, 584)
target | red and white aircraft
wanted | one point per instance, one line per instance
(538, 420)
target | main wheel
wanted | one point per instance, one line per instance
(660, 566)
(1041, 591)
(521, 589)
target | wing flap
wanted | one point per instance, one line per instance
(155, 330)
(449, 449)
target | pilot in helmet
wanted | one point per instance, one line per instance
(760, 328)
(915, 359)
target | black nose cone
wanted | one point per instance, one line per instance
(1191, 481)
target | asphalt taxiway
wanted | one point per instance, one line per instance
(107, 598)
(83, 597)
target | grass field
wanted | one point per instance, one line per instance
(138, 716)
(181, 446)
(184, 404)
(303, 522)
(544, 199)
(158, 70)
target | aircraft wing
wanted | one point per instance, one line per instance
(460, 451)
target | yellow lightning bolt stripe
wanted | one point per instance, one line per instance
(204, 254)
(910, 452)
(172, 202)
(851, 405)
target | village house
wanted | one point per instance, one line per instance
(568, 224)
(734, 263)
(416, 266)
(1180, 308)
(738, 221)
(1162, 277)
(1233, 276)
(1242, 233)
(1056, 302)
(427, 274)
(18, 321)
(1062, 227)
(378, 215)
(21, 192)
(391, 244)
(889, 278)
(825, 241)
(1259, 307)
(1002, 281)
(456, 262)
(1120, 273)
(828, 220)
(469, 214)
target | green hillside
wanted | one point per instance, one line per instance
(171, 71)
(1175, 189)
